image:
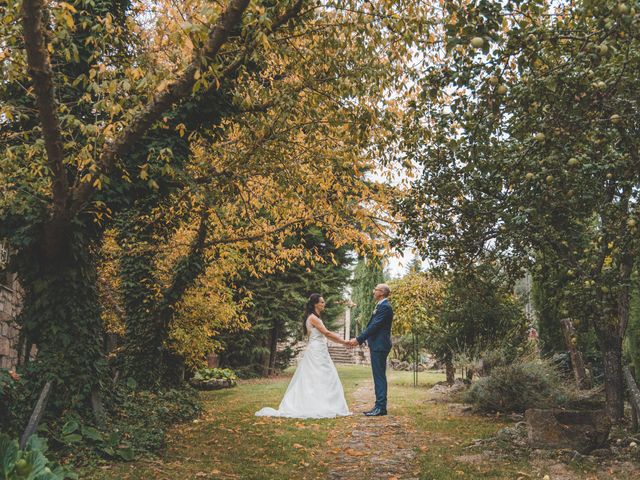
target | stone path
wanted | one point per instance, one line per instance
(372, 447)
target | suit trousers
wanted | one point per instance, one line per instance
(379, 369)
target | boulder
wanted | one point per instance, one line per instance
(581, 430)
(404, 366)
(460, 408)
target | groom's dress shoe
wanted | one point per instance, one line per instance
(376, 412)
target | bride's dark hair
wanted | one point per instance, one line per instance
(310, 308)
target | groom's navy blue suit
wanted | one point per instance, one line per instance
(378, 336)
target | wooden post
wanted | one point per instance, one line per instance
(577, 363)
(36, 415)
(634, 391)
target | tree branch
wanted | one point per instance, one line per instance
(164, 100)
(279, 22)
(258, 236)
(41, 73)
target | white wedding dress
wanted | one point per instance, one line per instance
(315, 390)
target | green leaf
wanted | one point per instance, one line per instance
(37, 443)
(73, 438)
(92, 433)
(113, 439)
(70, 427)
(37, 461)
(8, 455)
(109, 451)
(126, 453)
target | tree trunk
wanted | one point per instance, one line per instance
(273, 348)
(142, 356)
(450, 371)
(613, 380)
(61, 316)
(146, 357)
(577, 363)
(634, 395)
(265, 360)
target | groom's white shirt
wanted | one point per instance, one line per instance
(378, 304)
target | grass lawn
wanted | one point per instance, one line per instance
(228, 441)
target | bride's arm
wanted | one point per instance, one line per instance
(316, 322)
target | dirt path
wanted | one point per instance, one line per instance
(373, 447)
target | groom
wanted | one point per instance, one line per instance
(378, 335)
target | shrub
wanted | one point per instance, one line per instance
(517, 387)
(30, 463)
(142, 417)
(492, 359)
(214, 378)
(205, 374)
(8, 381)
(136, 421)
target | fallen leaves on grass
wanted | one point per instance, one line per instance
(355, 453)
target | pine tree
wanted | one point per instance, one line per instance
(367, 274)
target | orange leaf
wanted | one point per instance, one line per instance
(355, 453)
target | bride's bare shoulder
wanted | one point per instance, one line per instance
(314, 320)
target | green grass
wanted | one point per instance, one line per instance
(228, 441)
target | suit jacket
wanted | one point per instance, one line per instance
(378, 331)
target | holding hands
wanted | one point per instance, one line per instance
(352, 343)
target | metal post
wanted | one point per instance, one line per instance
(415, 358)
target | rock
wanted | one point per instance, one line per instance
(459, 408)
(457, 386)
(421, 368)
(582, 431)
(438, 388)
(601, 453)
(404, 366)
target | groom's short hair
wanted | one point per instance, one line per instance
(386, 291)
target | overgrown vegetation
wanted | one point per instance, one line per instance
(30, 463)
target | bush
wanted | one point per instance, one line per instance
(142, 417)
(30, 463)
(205, 374)
(517, 387)
(8, 384)
(15, 402)
(136, 422)
(214, 378)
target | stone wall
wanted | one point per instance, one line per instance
(9, 308)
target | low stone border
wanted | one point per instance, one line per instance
(215, 384)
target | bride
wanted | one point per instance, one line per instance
(315, 390)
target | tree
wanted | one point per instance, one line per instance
(479, 314)
(276, 307)
(367, 274)
(104, 141)
(549, 314)
(417, 300)
(528, 144)
(632, 343)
